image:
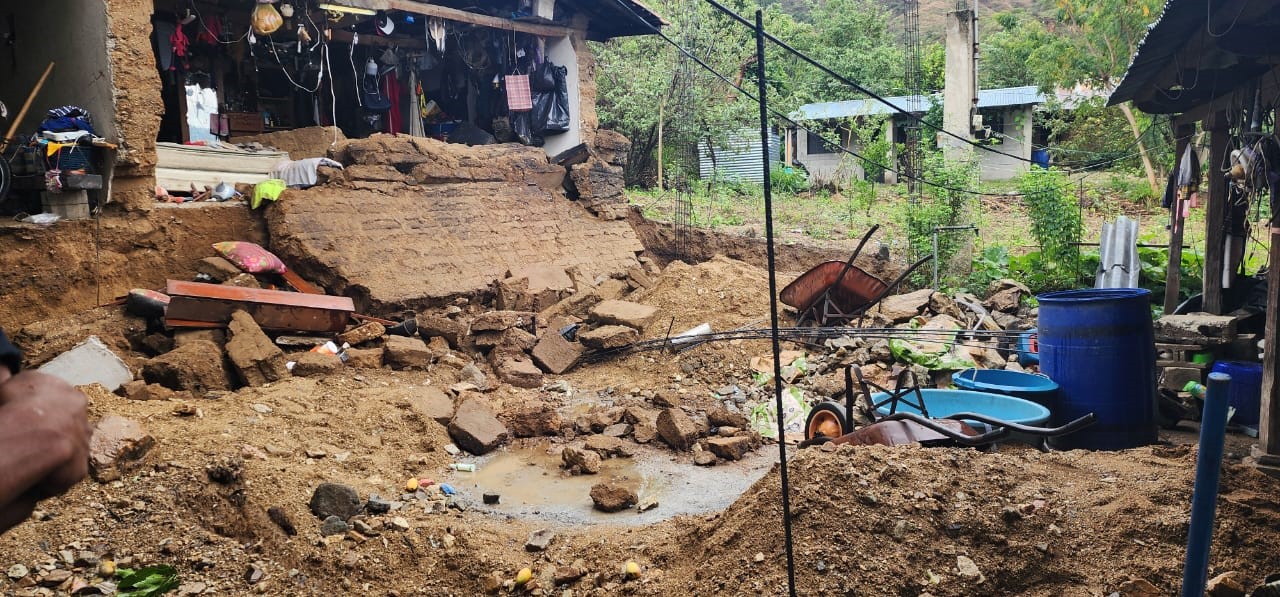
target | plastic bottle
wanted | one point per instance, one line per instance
(465, 467)
(1195, 388)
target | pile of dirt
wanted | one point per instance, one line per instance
(909, 521)
(723, 292)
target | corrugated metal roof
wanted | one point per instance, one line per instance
(739, 160)
(987, 98)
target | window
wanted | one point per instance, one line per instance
(815, 144)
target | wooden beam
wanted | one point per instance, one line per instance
(462, 16)
(1215, 214)
(1269, 415)
(345, 37)
(1173, 271)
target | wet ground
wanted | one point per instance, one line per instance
(531, 484)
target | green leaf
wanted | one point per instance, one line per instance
(146, 582)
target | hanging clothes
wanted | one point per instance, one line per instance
(393, 91)
(416, 110)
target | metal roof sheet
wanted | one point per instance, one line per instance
(987, 98)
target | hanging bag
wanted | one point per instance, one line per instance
(519, 98)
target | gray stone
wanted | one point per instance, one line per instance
(87, 363)
(335, 499)
(333, 525)
(377, 504)
(901, 307)
(539, 540)
(1175, 378)
(1196, 328)
(401, 352)
(617, 430)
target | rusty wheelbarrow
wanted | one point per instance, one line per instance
(837, 292)
(831, 421)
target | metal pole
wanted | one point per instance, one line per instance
(1204, 500)
(773, 303)
(935, 258)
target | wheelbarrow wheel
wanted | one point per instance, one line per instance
(826, 419)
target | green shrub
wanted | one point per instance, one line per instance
(787, 179)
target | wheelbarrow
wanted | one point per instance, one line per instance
(893, 421)
(838, 292)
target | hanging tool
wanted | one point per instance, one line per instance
(17, 121)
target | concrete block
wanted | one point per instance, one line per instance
(89, 362)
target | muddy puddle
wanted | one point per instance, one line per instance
(531, 484)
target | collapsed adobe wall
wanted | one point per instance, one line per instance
(138, 106)
(413, 222)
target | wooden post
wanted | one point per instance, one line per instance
(1173, 272)
(1269, 416)
(1215, 214)
(661, 110)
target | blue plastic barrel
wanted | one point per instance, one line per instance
(1245, 394)
(1098, 345)
(1040, 157)
(1036, 388)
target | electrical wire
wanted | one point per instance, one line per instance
(848, 82)
(1208, 18)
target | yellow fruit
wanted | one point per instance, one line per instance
(524, 576)
(411, 485)
(107, 568)
(631, 570)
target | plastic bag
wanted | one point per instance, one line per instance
(764, 416)
(551, 108)
(266, 19)
(543, 78)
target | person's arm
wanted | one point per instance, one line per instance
(44, 442)
(10, 358)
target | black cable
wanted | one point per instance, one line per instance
(773, 304)
(841, 78)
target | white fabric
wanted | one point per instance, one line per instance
(301, 173)
(202, 104)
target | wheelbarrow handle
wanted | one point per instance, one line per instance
(995, 434)
(1070, 427)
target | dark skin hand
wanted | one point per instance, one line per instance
(44, 442)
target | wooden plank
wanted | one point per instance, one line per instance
(189, 157)
(1215, 214)
(462, 16)
(1269, 419)
(1173, 270)
(345, 37)
(176, 288)
(300, 284)
(180, 181)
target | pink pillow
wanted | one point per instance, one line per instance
(250, 257)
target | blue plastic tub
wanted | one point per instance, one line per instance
(942, 403)
(1098, 345)
(1245, 394)
(1036, 388)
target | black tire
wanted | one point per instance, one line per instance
(821, 418)
(6, 178)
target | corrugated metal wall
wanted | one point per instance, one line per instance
(740, 160)
(1118, 265)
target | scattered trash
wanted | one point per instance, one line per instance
(463, 467)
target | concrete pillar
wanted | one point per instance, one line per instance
(959, 96)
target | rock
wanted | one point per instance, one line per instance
(473, 375)
(611, 497)
(141, 390)
(942, 304)
(608, 447)
(365, 358)
(436, 326)
(217, 268)
(539, 540)
(475, 428)
(719, 416)
(377, 504)
(554, 354)
(617, 430)
(580, 462)
(491, 498)
(516, 368)
(185, 337)
(1175, 378)
(667, 399)
(534, 419)
(335, 499)
(497, 321)
(364, 333)
(400, 352)
(243, 281)
(1005, 295)
(968, 569)
(1139, 587)
(677, 429)
(333, 525)
(254, 574)
(316, 364)
(901, 307)
(1196, 328)
(612, 289)
(17, 572)
(568, 574)
(398, 523)
(430, 402)
(1227, 584)
(729, 448)
(533, 287)
(609, 336)
(116, 446)
(512, 339)
(624, 313)
(197, 366)
(703, 458)
(55, 577)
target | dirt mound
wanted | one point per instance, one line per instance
(723, 292)
(902, 521)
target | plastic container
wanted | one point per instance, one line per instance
(1245, 394)
(1036, 388)
(1040, 157)
(1098, 345)
(1029, 348)
(942, 403)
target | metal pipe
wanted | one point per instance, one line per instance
(1204, 500)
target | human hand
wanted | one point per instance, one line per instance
(44, 438)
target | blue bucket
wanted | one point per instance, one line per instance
(942, 403)
(1098, 345)
(1040, 157)
(1029, 348)
(1245, 394)
(1036, 388)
